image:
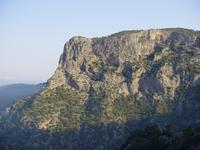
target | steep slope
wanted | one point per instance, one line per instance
(105, 87)
(10, 93)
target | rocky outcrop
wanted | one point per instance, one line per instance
(154, 65)
(118, 62)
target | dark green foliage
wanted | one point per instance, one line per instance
(146, 139)
(182, 30)
(167, 130)
(107, 68)
(131, 107)
(89, 137)
(152, 131)
(189, 138)
(92, 109)
(155, 138)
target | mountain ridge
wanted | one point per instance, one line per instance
(10, 93)
(114, 84)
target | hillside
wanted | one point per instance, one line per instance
(10, 93)
(106, 87)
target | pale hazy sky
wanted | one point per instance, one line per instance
(33, 32)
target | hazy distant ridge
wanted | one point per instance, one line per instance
(10, 93)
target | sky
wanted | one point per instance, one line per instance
(33, 32)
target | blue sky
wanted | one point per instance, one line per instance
(33, 32)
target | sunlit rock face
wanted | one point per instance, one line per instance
(120, 62)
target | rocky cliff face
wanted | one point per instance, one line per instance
(104, 87)
(105, 62)
(152, 65)
(119, 62)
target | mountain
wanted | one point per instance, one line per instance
(106, 87)
(10, 93)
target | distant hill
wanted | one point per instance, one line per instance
(10, 93)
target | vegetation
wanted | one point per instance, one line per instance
(125, 32)
(57, 104)
(154, 137)
(131, 107)
(182, 30)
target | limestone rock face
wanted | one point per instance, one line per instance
(105, 87)
(120, 62)
(86, 62)
(154, 65)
